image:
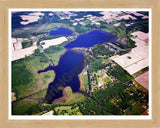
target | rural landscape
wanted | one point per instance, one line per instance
(79, 63)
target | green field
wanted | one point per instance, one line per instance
(85, 80)
(27, 83)
(86, 22)
(26, 80)
(55, 56)
(72, 97)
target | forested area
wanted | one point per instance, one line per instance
(26, 44)
(119, 73)
(101, 50)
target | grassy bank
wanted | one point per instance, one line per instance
(27, 83)
(26, 80)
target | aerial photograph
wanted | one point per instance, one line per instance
(71, 62)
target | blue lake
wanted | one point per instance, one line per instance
(61, 31)
(71, 63)
(66, 74)
(91, 38)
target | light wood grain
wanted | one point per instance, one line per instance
(6, 4)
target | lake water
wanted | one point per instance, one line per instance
(71, 63)
(66, 74)
(61, 31)
(91, 38)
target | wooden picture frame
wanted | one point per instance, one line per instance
(4, 71)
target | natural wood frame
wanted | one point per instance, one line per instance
(6, 4)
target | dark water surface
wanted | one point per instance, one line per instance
(61, 31)
(91, 38)
(66, 74)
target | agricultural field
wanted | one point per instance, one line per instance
(143, 79)
(137, 58)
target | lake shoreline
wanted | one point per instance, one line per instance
(81, 79)
(84, 69)
(80, 76)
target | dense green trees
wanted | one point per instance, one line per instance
(95, 61)
(81, 29)
(89, 107)
(124, 103)
(95, 64)
(39, 108)
(100, 49)
(119, 73)
(130, 43)
(23, 35)
(26, 43)
(37, 52)
(104, 97)
(110, 109)
(140, 95)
